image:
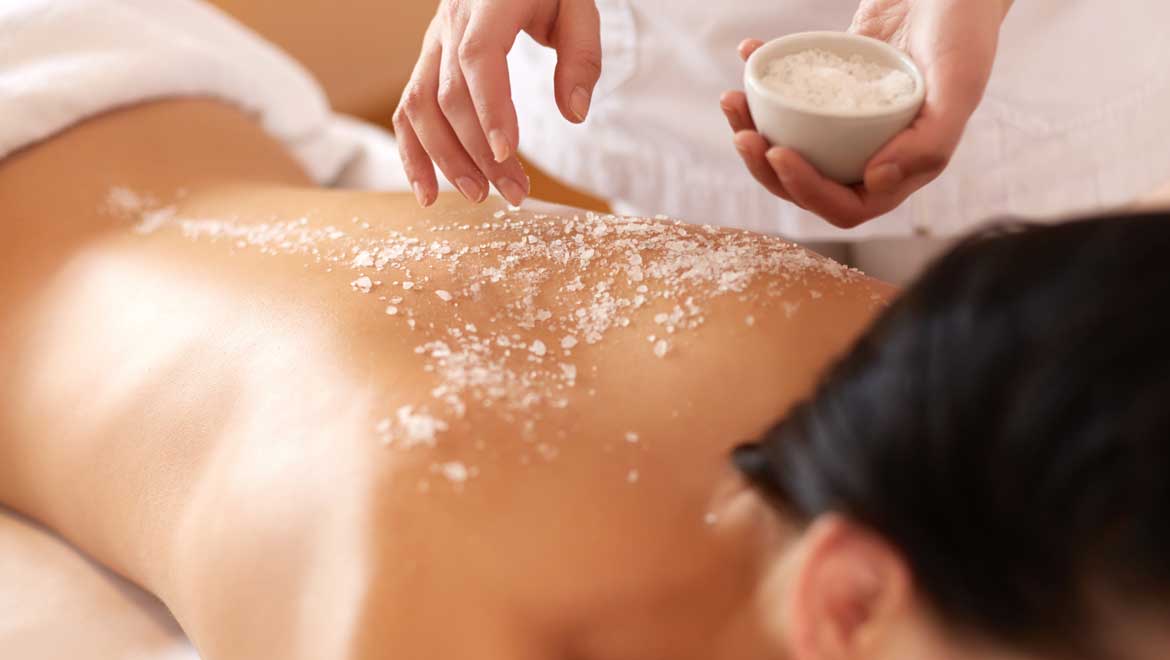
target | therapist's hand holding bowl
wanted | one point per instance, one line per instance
(954, 43)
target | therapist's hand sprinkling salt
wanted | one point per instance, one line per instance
(457, 110)
(954, 43)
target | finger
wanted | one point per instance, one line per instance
(752, 148)
(747, 47)
(483, 58)
(735, 108)
(419, 170)
(919, 152)
(455, 102)
(421, 107)
(840, 205)
(578, 44)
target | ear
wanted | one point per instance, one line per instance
(849, 591)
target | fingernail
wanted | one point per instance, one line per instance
(512, 191)
(885, 178)
(501, 149)
(579, 103)
(419, 194)
(470, 188)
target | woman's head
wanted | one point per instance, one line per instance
(991, 461)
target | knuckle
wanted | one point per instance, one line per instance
(399, 118)
(472, 50)
(452, 11)
(589, 61)
(413, 101)
(448, 95)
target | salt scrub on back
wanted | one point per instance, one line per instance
(822, 80)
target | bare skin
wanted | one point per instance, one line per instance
(57, 604)
(201, 419)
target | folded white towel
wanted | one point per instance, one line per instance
(64, 60)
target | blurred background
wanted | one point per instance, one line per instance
(363, 56)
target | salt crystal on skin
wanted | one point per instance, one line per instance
(455, 472)
(664, 262)
(418, 428)
(363, 260)
(826, 81)
(661, 348)
(444, 295)
(391, 310)
(363, 284)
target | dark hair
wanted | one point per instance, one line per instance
(1006, 425)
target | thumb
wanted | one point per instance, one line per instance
(578, 45)
(920, 152)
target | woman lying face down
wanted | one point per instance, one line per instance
(995, 450)
(321, 424)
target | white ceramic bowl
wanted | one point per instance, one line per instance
(839, 144)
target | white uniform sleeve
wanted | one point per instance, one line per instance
(62, 61)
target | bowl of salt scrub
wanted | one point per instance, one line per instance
(834, 98)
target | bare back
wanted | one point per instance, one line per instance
(512, 423)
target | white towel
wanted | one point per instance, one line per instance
(62, 61)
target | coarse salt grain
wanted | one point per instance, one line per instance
(391, 310)
(445, 296)
(568, 342)
(363, 260)
(826, 81)
(455, 472)
(418, 428)
(661, 347)
(363, 284)
(538, 348)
